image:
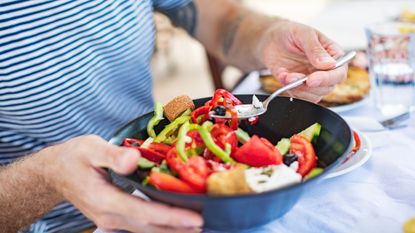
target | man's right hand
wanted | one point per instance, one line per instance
(76, 172)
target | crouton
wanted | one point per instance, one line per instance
(230, 182)
(177, 106)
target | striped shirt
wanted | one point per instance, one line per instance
(70, 68)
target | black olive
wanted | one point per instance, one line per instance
(220, 110)
(289, 159)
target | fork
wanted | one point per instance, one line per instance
(369, 124)
(394, 122)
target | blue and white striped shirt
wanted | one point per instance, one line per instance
(70, 68)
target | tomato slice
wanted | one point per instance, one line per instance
(268, 143)
(214, 166)
(208, 155)
(257, 154)
(166, 182)
(173, 161)
(223, 135)
(196, 145)
(151, 155)
(201, 111)
(155, 146)
(156, 152)
(159, 147)
(224, 98)
(221, 94)
(233, 123)
(307, 159)
(194, 172)
(131, 142)
(356, 146)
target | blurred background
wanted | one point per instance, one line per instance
(181, 65)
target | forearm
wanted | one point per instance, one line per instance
(24, 193)
(232, 32)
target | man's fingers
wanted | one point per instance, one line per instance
(332, 47)
(286, 78)
(319, 91)
(316, 53)
(113, 222)
(154, 213)
(162, 215)
(327, 78)
(309, 96)
(119, 210)
(120, 159)
(277, 71)
(161, 229)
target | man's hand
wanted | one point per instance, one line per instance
(79, 176)
(74, 171)
(292, 50)
(251, 41)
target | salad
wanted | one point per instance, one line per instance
(196, 154)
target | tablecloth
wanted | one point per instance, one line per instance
(377, 197)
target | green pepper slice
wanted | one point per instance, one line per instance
(170, 128)
(158, 116)
(210, 144)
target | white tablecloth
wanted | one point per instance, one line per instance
(377, 197)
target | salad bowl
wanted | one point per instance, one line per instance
(284, 118)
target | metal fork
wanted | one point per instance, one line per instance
(395, 122)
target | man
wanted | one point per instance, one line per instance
(72, 68)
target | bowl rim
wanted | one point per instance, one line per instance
(205, 197)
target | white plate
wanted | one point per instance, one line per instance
(357, 160)
(348, 107)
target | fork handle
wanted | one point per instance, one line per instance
(339, 62)
(283, 89)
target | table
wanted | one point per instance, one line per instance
(377, 197)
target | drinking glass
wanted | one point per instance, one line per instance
(391, 53)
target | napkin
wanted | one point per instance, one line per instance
(364, 123)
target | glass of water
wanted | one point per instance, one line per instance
(391, 53)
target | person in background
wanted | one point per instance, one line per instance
(75, 68)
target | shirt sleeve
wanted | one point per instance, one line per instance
(163, 5)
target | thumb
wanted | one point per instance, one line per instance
(317, 54)
(121, 160)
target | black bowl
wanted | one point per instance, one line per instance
(283, 119)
